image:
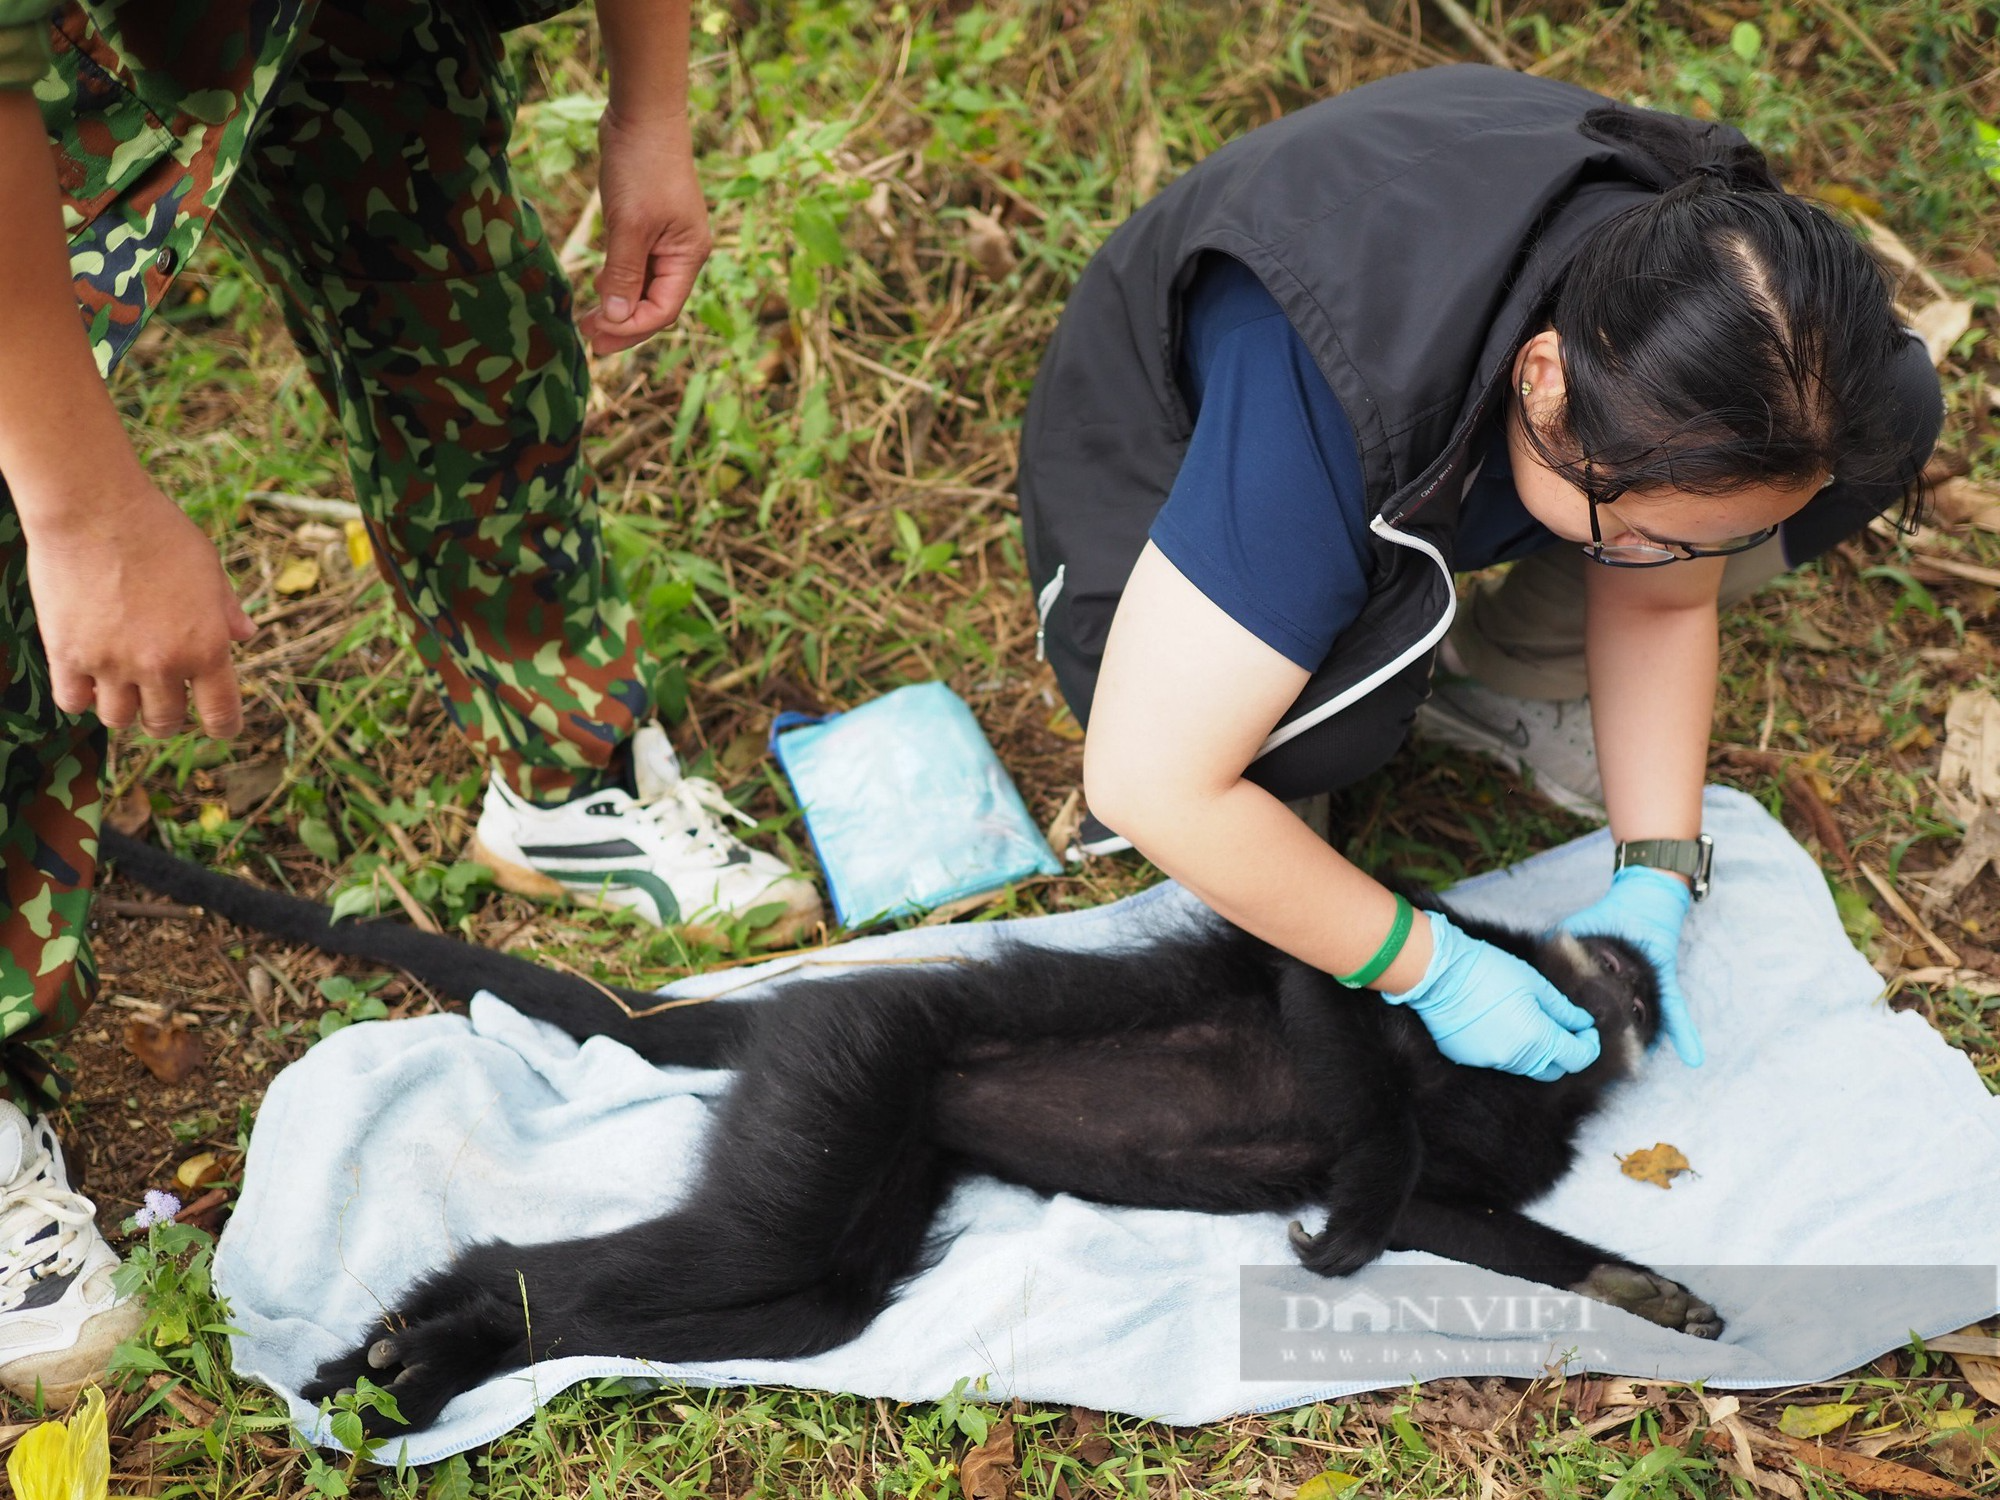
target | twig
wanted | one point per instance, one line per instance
(1575, 50)
(117, 906)
(309, 505)
(1474, 33)
(1854, 29)
(404, 899)
(1951, 567)
(935, 387)
(1909, 917)
(576, 244)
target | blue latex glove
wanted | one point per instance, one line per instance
(1488, 1009)
(1646, 908)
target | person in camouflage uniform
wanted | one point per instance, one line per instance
(355, 152)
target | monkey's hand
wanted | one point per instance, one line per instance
(1489, 1009)
(1647, 908)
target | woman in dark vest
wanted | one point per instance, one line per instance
(1454, 318)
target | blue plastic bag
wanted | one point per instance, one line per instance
(907, 805)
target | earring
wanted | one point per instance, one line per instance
(1527, 388)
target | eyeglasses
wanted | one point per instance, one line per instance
(1651, 552)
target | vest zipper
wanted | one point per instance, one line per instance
(1044, 602)
(1381, 527)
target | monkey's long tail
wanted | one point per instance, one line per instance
(695, 1035)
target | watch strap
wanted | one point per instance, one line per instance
(1690, 857)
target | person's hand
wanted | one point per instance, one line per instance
(655, 229)
(1489, 1009)
(1647, 907)
(134, 608)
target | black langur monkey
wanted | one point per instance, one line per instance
(1202, 1071)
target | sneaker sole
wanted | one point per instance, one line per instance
(62, 1373)
(802, 913)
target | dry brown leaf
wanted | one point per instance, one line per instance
(987, 1472)
(988, 245)
(169, 1050)
(1149, 158)
(1063, 828)
(1967, 502)
(1879, 1475)
(1658, 1164)
(1976, 1342)
(1969, 768)
(1983, 1375)
(131, 812)
(1889, 247)
(1941, 324)
(1981, 847)
(245, 786)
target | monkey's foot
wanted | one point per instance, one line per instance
(451, 1334)
(1337, 1250)
(1651, 1296)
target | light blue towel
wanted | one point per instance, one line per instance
(1813, 1128)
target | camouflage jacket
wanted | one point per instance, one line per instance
(24, 32)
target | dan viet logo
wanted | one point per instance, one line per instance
(1427, 1320)
(1489, 1316)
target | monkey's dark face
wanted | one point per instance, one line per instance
(1615, 982)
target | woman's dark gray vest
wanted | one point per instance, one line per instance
(1413, 231)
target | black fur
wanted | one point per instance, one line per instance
(1203, 1072)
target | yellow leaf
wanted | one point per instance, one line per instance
(360, 551)
(1659, 1164)
(213, 816)
(193, 1172)
(1814, 1421)
(64, 1461)
(299, 576)
(1328, 1484)
(1953, 1418)
(1841, 196)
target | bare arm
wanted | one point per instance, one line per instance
(130, 599)
(1185, 697)
(1652, 657)
(655, 221)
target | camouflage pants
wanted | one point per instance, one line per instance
(356, 152)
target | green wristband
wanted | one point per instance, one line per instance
(1399, 934)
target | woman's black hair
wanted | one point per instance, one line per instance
(1723, 334)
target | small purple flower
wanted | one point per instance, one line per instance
(159, 1208)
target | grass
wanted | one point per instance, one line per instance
(807, 493)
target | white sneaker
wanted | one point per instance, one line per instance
(1551, 742)
(663, 854)
(60, 1317)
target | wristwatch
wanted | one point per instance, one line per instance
(1690, 857)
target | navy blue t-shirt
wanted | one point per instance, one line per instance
(1269, 515)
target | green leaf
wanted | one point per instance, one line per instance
(911, 539)
(347, 1430)
(1988, 149)
(451, 1480)
(819, 232)
(355, 901)
(317, 835)
(1746, 41)
(1815, 1421)
(1406, 1431)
